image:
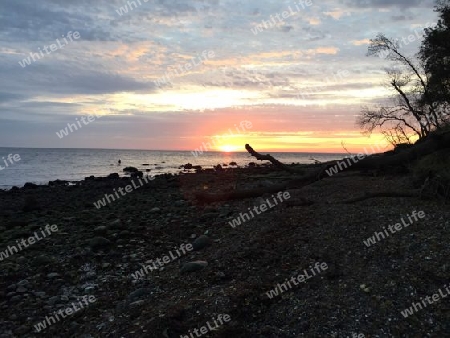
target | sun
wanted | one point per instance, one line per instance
(227, 148)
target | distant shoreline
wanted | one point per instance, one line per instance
(112, 178)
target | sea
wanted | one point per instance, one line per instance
(40, 166)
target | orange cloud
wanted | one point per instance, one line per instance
(314, 21)
(337, 14)
(324, 50)
(360, 42)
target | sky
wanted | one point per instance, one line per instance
(182, 74)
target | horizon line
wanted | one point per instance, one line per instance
(171, 150)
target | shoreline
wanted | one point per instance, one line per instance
(114, 177)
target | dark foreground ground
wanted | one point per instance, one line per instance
(95, 251)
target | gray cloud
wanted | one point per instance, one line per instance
(390, 3)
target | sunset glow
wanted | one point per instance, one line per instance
(228, 148)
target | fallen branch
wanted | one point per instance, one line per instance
(270, 158)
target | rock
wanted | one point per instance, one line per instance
(21, 260)
(124, 233)
(16, 298)
(10, 294)
(260, 201)
(43, 260)
(180, 203)
(34, 226)
(138, 173)
(208, 216)
(21, 289)
(130, 170)
(89, 289)
(113, 176)
(23, 282)
(22, 330)
(74, 326)
(155, 210)
(117, 224)
(136, 303)
(99, 243)
(53, 275)
(194, 266)
(201, 242)
(53, 300)
(138, 294)
(121, 307)
(57, 183)
(100, 230)
(91, 275)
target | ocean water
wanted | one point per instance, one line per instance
(43, 165)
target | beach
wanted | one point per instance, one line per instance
(230, 270)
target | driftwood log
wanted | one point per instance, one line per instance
(270, 158)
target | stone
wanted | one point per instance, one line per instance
(99, 243)
(201, 242)
(40, 294)
(139, 293)
(43, 260)
(136, 303)
(194, 266)
(23, 282)
(53, 300)
(16, 298)
(100, 230)
(53, 275)
(21, 289)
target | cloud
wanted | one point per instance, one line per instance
(117, 58)
(6, 97)
(336, 14)
(324, 50)
(360, 42)
(390, 3)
